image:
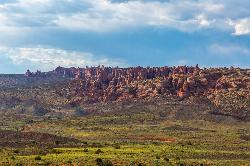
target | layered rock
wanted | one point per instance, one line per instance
(227, 88)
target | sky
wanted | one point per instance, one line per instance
(44, 34)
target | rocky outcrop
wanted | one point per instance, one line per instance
(227, 88)
(58, 72)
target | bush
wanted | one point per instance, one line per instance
(189, 143)
(33, 142)
(140, 164)
(166, 159)
(107, 163)
(100, 162)
(116, 146)
(181, 164)
(16, 151)
(18, 164)
(85, 150)
(132, 163)
(38, 158)
(157, 157)
(29, 121)
(98, 151)
(85, 143)
(57, 142)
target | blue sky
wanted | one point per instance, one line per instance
(43, 34)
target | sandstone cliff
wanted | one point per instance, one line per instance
(228, 89)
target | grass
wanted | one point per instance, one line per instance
(133, 139)
(147, 154)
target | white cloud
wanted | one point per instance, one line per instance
(203, 21)
(212, 7)
(103, 15)
(3, 19)
(229, 50)
(106, 16)
(241, 26)
(49, 58)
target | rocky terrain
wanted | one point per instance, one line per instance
(156, 116)
(228, 89)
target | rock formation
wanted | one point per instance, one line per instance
(226, 88)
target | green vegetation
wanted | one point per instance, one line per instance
(41, 128)
(38, 158)
(141, 138)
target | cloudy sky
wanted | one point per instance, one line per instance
(43, 34)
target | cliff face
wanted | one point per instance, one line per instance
(228, 89)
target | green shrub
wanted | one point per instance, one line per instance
(181, 164)
(85, 150)
(166, 159)
(157, 157)
(101, 162)
(140, 164)
(18, 164)
(132, 163)
(57, 142)
(98, 151)
(38, 158)
(107, 163)
(116, 146)
(16, 151)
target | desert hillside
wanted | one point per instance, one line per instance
(126, 116)
(225, 90)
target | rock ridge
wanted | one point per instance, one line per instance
(227, 88)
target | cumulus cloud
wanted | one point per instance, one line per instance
(107, 15)
(241, 26)
(49, 58)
